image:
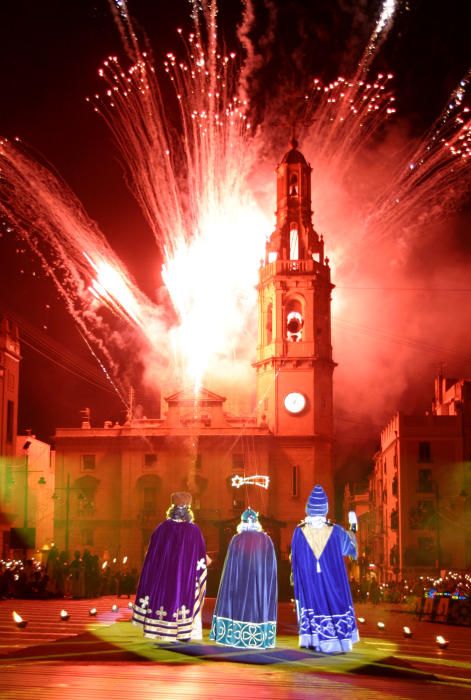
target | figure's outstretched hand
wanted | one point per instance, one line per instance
(208, 560)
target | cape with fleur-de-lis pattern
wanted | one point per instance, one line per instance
(172, 585)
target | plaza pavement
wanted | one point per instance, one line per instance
(104, 656)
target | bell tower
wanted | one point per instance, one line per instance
(294, 363)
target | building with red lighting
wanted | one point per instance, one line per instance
(26, 464)
(9, 382)
(116, 480)
(420, 488)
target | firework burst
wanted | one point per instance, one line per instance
(183, 132)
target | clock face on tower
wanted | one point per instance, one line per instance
(295, 402)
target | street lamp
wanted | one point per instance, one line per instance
(67, 512)
(437, 526)
(26, 447)
(67, 488)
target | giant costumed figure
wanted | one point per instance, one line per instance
(324, 606)
(172, 585)
(246, 605)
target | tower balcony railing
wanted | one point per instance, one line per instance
(291, 267)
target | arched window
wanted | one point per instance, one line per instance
(85, 489)
(293, 242)
(148, 488)
(294, 321)
(293, 185)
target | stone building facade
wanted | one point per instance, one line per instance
(420, 488)
(116, 480)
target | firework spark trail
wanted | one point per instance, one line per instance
(191, 183)
(47, 215)
(430, 182)
(384, 23)
(436, 176)
(350, 110)
(336, 141)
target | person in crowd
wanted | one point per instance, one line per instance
(326, 618)
(246, 605)
(77, 575)
(172, 585)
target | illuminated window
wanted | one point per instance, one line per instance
(293, 242)
(293, 185)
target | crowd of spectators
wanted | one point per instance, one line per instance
(83, 575)
(80, 576)
(409, 590)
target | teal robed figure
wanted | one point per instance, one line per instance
(246, 605)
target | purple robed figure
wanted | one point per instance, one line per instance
(172, 585)
(324, 607)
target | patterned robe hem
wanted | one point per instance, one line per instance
(243, 635)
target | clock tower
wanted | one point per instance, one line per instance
(294, 352)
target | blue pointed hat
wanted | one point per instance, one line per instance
(317, 503)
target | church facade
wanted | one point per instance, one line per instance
(114, 482)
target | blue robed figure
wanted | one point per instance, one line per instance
(324, 606)
(246, 605)
(172, 585)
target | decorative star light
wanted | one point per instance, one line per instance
(253, 480)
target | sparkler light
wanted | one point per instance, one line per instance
(254, 480)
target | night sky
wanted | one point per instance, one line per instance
(49, 55)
